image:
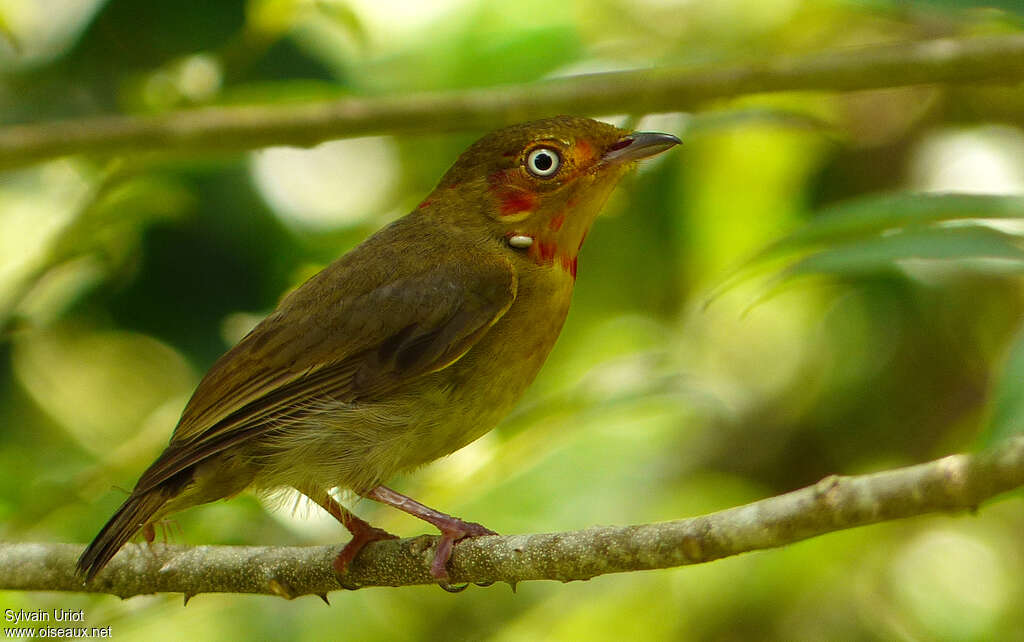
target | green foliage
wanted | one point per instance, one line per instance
(872, 216)
(878, 235)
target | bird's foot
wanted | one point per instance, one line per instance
(361, 536)
(362, 532)
(452, 530)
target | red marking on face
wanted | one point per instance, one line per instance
(425, 203)
(516, 201)
(584, 150)
(582, 238)
(555, 223)
(568, 263)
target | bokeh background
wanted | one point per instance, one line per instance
(123, 279)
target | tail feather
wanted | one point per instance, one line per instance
(135, 512)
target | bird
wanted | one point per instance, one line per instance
(403, 350)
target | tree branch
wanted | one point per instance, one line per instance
(961, 60)
(957, 482)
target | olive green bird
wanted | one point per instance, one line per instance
(409, 347)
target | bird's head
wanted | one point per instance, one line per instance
(538, 186)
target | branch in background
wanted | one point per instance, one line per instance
(957, 482)
(647, 91)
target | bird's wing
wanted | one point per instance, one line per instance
(329, 348)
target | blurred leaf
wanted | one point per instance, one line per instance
(969, 248)
(970, 243)
(56, 291)
(1008, 400)
(342, 14)
(100, 234)
(118, 213)
(870, 217)
(880, 213)
(73, 371)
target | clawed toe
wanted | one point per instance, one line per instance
(452, 529)
(359, 540)
(453, 532)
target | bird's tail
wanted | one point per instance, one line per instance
(137, 511)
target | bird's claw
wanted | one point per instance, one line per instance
(452, 532)
(356, 544)
(453, 588)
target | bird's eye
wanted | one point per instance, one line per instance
(543, 162)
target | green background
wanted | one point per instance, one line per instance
(885, 332)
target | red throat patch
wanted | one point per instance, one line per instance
(547, 252)
(568, 264)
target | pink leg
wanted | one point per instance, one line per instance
(362, 532)
(149, 530)
(149, 534)
(452, 529)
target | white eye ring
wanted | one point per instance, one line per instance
(543, 162)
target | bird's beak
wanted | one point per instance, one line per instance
(639, 145)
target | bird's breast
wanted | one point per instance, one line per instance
(484, 385)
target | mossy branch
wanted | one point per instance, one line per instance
(954, 483)
(669, 89)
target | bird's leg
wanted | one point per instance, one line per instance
(362, 532)
(149, 535)
(452, 529)
(167, 529)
